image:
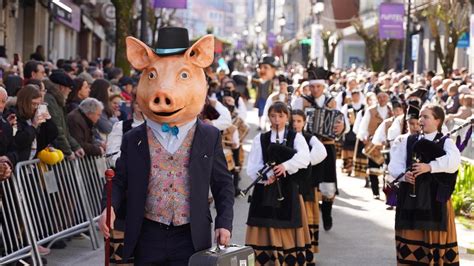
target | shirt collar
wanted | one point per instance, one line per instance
(183, 129)
(431, 136)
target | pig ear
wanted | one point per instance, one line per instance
(138, 53)
(201, 53)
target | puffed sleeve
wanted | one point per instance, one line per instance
(448, 163)
(318, 151)
(398, 156)
(302, 157)
(355, 128)
(379, 135)
(363, 130)
(395, 129)
(255, 160)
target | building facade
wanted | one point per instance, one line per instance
(66, 29)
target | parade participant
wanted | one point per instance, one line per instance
(266, 70)
(233, 99)
(350, 112)
(380, 135)
(326, 170)
(168, 163)
(360, 161)
(425, 231)
(280, 95)
(398, 127)
(278, 229)
(344, 97)
(373, 117)
(309, 188)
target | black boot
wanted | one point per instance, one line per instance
(326, 208)
(367, 183)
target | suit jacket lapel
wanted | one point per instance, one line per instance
(144, 163)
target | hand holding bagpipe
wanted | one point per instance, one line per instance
(278, 154)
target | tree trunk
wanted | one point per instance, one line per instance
(123, 19)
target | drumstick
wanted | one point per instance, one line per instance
(109, 175)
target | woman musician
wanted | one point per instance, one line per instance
(278, 230)
(425, 231)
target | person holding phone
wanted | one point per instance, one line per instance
(36, 130)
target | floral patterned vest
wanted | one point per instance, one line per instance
(168, 197)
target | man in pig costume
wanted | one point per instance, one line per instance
(168, 163)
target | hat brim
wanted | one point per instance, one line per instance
(266, 63)
(170, 51)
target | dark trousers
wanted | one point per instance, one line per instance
(160, 245)
(374, 179)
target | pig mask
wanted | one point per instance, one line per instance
(172, 89)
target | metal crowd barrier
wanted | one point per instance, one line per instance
(42, 204)
(92, 169)
(16, 241)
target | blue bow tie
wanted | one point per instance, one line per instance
(173, 130)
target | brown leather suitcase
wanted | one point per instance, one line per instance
(232, 255)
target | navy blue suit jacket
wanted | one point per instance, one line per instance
(207, 167)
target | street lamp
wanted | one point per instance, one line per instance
(318, 8)
(281, 23)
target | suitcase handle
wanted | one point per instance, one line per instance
(218, 248)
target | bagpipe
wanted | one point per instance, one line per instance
(277, 154)
(425, 151)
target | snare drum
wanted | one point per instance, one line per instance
(374, 152)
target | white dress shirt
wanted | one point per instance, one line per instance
(300, 160)
(167, 140)
(363, 130)
(448, 163)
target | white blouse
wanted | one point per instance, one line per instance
(448, 163)
(300, 160)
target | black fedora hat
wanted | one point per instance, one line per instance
(172, 41)
(269, 60)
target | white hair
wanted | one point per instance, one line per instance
(3, 92)
(90, 105)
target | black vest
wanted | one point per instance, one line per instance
(265, 210)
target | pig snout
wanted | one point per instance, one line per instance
(162, 101)
(164, 104)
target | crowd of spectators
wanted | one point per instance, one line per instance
(71, 105)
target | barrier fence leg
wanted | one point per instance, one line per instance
(35, 256)
(87, 205)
